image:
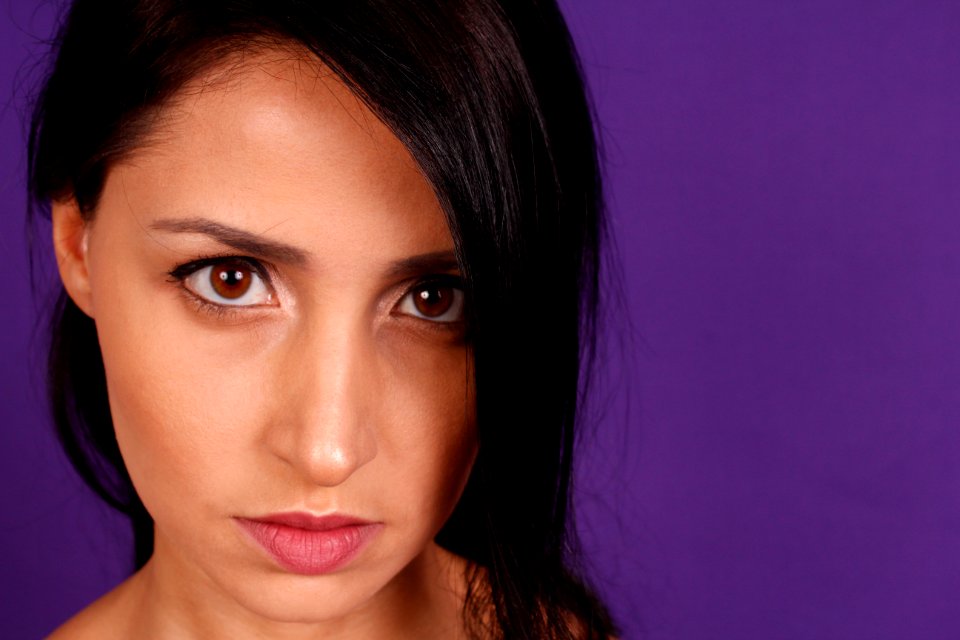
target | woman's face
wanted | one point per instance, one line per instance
(275, 294)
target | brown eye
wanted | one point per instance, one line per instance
(435, 301)
(229, 282)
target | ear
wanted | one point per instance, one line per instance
(70, 238)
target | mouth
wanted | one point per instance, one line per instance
(310, 545)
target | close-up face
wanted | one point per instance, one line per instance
(281, 321)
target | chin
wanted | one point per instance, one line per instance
(295, 599)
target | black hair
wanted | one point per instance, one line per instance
(488, 97)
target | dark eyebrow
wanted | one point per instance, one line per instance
(437, 261)
(236, 238)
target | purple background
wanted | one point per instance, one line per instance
(779, 453)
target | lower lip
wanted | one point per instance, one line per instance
(310, 552)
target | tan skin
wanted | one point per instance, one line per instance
(327, 390)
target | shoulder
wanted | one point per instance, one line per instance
(106, 618)
(80, 627)
(90, 623)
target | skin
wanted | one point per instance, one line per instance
(330, 395)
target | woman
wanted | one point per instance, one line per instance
(330, 274)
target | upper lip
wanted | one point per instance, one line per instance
(303, 520)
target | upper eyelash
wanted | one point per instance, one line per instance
(445, 279)
(181, 272)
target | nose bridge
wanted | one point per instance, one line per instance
(329, 368)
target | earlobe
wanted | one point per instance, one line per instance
(70, 242)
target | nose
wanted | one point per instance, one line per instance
(326, 382)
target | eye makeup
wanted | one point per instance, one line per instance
(436, 298)
(226, 273)
(436, 301)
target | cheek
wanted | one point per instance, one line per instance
(430, 440)
(176, 406)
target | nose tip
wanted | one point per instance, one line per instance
(329, 464)
(328, 454)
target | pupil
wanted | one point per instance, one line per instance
(434, 301)
(230, 281)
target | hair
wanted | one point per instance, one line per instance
(488, 98)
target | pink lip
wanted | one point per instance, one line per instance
(311, 545)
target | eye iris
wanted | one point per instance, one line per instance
(433, 301)
(230, 280)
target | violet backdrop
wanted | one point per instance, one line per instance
(778, 455)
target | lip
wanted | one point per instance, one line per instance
(310, 545)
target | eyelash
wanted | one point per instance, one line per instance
(180, 273)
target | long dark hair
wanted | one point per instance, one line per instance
(488, 98)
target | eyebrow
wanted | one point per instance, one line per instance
(285, 253)
(236, 238)
(437, 261)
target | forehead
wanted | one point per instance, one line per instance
(274, 140)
